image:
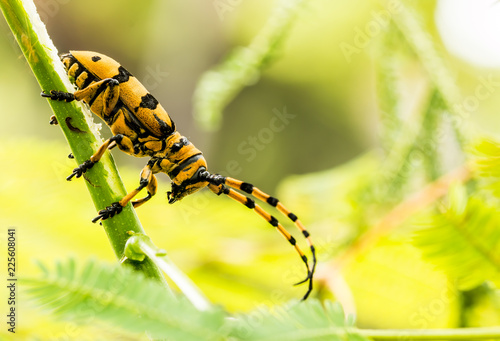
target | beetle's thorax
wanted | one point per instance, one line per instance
(182, 161)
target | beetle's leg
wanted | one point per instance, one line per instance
(87, 164)
(123, 141)
(110, 97)
(151, 188)
(147, 180)
(59, 95)
(108, 85)
(111, 93)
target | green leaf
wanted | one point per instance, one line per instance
(410, 23)
(308, 320)
(463, 240)
(487, 164)
(123, 298)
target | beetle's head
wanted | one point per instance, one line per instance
(187, 186)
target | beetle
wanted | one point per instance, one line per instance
(141, 127)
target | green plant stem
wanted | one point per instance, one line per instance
(388, 85)
(431, 334)
(139, 245)
(220, 85)
(485, 333)
(409, 23)
(419, 135)
(103, 181)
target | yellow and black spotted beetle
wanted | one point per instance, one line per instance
(141, 127)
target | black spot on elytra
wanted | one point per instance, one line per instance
(96, 58)
(123, 75)
(149, 102)
(164, 127)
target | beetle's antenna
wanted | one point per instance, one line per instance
(217, 185)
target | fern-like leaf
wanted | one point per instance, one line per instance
(123, 298)
(126, 299)
(464, 240)
(487, 164)
(309, 320)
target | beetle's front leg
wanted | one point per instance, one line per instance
(59, 95)
(109, 87)
(122, 141)
(148, 180)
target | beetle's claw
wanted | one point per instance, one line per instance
(309, 276)
(108, 212)
(310, 286)
(78, 171)
(58, 95)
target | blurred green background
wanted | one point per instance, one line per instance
(325, 152)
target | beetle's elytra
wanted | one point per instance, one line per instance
(141, 127)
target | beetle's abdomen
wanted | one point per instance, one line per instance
(88, 67)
